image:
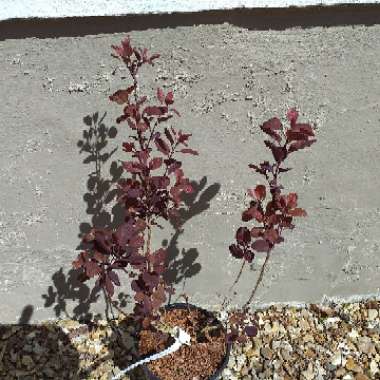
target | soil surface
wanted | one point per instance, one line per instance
(226, 81)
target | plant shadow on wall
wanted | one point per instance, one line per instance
(101, 192)
(180, 270)
(96, 136)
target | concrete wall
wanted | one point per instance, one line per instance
(230, 71)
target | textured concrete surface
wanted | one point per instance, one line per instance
(79, 8)
(227, 80)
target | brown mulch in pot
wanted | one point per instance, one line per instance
(198, 361)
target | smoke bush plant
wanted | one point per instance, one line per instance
(279, 210)
(145, 197)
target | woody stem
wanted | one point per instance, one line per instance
(238, 276)
(258, 281)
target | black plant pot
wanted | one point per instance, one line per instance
(216, 375)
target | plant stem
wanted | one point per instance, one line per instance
(258, 281)
(148, 243)
(238, 276)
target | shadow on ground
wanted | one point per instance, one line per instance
(36, 352)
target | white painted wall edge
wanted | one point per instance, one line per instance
(80, 8)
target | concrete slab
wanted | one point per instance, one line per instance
(226, 80)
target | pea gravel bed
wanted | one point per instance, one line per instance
(316, 341)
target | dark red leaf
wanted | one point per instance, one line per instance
(188, 189)
(154, 56)
(133, 167)
(190, 151)
(121, 118)
(160, 95)
(291, 200)
(252, 166)
(295, 136)
(169, 136)
(251, 213)
(260, 245)
(292, 116)
(300, 145)
(136, 241)
(273, 219)
(236, 251)
(264, 167)
(151, 279)
(92, 269)
(271, 235)
(249, 255)
(125, 50)
(126, 43)
(130, 110)
(169, 98)
(103, 241)
(118, 50)
(272, 124)
(141, 100)
(257, 232)
(81, 259)
(154, 111)
(173, 167)
(159, 256)
(283, 170)
(125, 232)
(297, 212)
(155, 163)
(141, 126)
(258, 193)
(143, 155)
(279, 154)
(131, 124)
(303, 128)
(162, 146)
(243, 235)
(114, 277)
(183, 137)
(98, 256)
(275, 135)
(128, 147)
(122, 96)
(269, 144)
(258, 215)
(139, 296)
(158, 297)
(287, 222)
(161, 182)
